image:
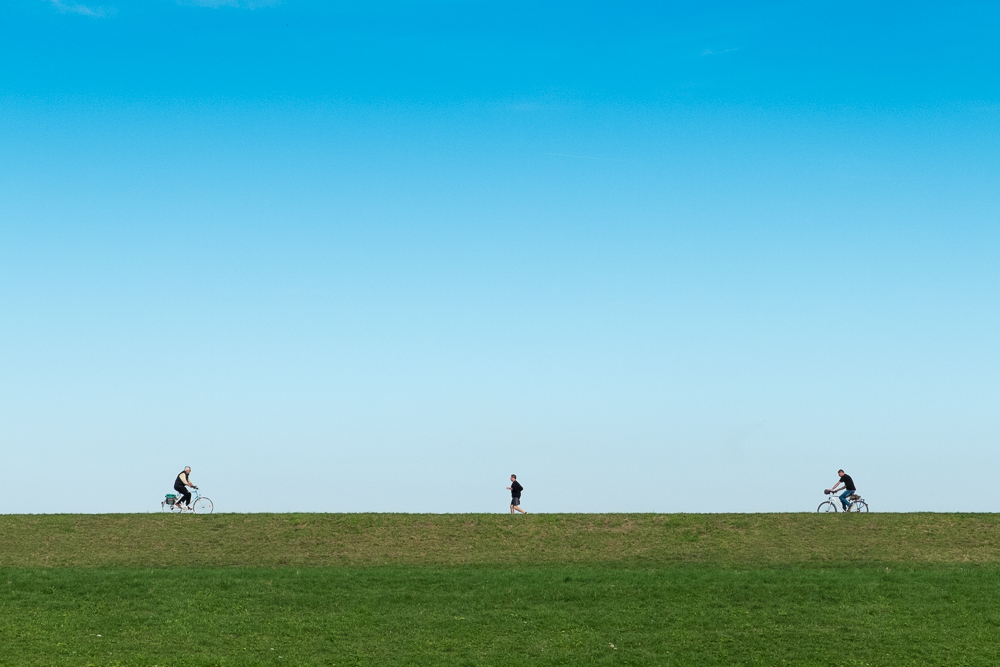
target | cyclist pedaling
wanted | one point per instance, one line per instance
(849, 489)
(184, 480)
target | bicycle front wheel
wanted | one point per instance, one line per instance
(203, 506)
(859, 506)
(828, 506)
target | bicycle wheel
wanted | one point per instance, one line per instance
(164, 507)
(828, 506)
(859, 506)
(203, 506)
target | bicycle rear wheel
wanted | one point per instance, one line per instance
(859, 506)
(828, 506)
(203, 506)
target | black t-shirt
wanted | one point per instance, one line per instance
(179, 482)
(848, 482)
(515, 489)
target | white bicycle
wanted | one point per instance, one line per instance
(858, 504)
(199, 504)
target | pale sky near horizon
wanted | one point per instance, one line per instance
(378, 256)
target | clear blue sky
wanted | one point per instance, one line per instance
(377, 256)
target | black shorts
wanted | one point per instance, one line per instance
(516, 501)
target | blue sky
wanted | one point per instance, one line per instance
(346, 256)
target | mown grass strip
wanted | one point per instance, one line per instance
(630, 540)
(675, 615)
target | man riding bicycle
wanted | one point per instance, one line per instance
(849, 488)
(184, 480)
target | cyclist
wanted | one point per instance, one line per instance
(184, 480)
(849, 488)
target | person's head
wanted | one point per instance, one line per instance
(513, 478)
(841, 472)
(187, 469)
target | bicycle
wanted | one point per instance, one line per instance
(199, 504)
(858, 504)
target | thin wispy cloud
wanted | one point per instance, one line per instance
(83, 10)
(710, 52)
(239, 4)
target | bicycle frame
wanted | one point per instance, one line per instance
(195, 496)
(857, 503)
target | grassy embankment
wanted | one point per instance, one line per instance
(801, 589)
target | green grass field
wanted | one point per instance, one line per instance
(795, 589)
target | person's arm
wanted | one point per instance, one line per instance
(834, 488)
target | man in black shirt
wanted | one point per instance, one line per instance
(184, 480)
(515, 495)
(849, 488)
